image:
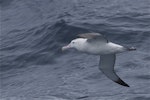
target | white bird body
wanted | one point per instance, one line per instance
(98, 48)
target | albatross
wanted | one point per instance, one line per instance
(97, 44)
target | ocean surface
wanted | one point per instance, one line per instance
(33, 67)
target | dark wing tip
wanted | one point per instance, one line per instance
(121, 82)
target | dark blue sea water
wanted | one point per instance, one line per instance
(32, 66)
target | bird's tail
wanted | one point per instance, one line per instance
(131, 49)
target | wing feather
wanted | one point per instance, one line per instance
(106, 65)
(94, 37)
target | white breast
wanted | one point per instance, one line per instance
(102, 48)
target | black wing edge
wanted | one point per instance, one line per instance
(121, 82)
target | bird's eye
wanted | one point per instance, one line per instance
(73, 42)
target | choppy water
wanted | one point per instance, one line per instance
(34, 68)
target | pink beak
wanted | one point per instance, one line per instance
(66, 47)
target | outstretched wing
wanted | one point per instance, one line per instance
(94, 37)
(106, 65)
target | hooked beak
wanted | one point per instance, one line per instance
(66, 47)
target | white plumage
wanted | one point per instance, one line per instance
(96, 44)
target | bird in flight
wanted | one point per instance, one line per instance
(97, 44)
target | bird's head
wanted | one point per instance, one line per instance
(76, 44)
